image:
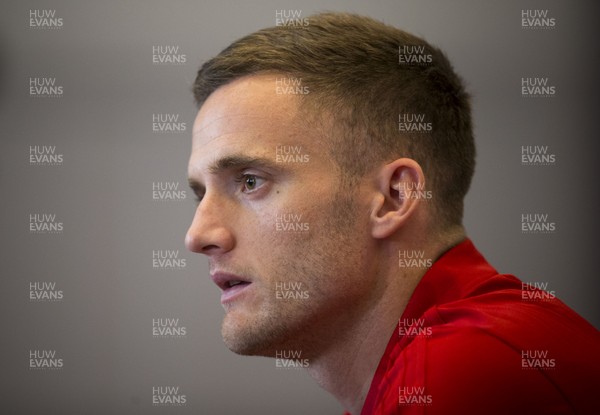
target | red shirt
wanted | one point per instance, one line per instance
(472, 341)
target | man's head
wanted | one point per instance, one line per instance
(305, 180)
(365, 78)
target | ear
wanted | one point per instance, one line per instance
(400, 185)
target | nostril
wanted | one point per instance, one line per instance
(209, 248)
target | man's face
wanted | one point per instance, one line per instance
(272, 215)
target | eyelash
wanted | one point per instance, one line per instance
(244, 176)
(240, 179)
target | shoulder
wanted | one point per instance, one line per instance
(469, 371)
(497, 355)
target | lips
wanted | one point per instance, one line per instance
(231, 285)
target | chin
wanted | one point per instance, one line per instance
(240, 340)
(252, 338)
(242, 347)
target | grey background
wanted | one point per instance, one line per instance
(102, 125)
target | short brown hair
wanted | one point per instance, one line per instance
(353, 69)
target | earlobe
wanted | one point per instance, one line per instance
(398, 184)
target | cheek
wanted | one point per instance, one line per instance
(299, 232)
(282, 219)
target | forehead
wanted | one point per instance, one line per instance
(248, 111)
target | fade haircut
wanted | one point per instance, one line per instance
(355, 74)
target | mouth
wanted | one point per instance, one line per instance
(231, 285)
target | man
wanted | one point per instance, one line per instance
(330, 162)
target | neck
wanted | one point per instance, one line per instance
(346, 367)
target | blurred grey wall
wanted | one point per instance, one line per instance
(96, 114)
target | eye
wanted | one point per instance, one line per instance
(250, 182)
(198, 191)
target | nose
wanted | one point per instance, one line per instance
(210, 232)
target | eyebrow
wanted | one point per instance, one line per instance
(240, 161)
